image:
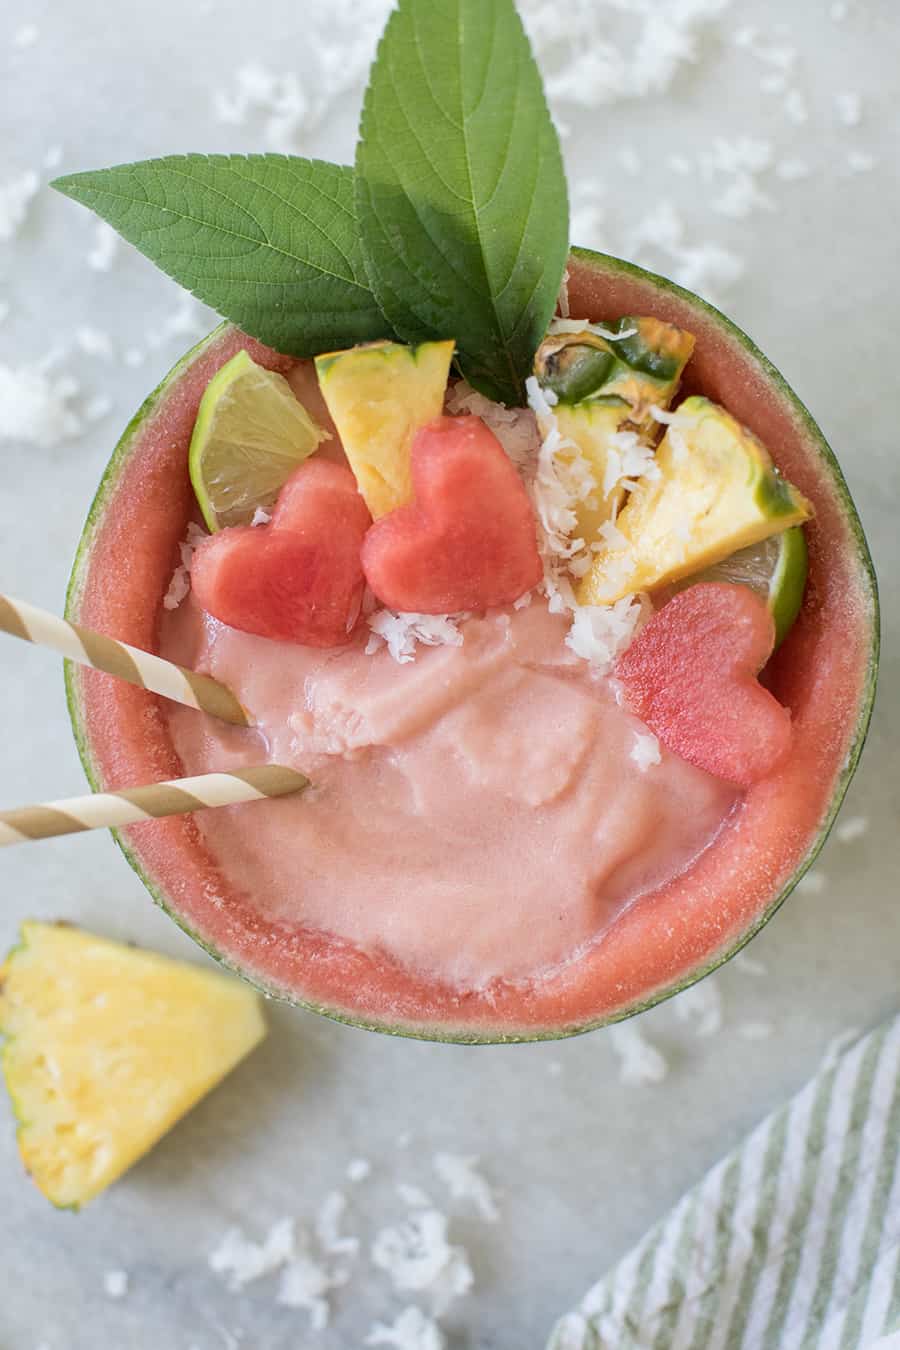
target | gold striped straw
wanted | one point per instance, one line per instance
(117, 658)
(110, 810)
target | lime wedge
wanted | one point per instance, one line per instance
(775, 569)
(249, 437)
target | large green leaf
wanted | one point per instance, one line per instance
(269, 241)
(460, 191)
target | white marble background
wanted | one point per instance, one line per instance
(749, 149)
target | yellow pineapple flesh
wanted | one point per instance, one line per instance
(107, 1046)
(379, 396)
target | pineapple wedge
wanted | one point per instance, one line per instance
(107, 1047)
(712, 491)
(607, 385)
(379, 396)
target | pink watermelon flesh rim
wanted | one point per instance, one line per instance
(825, 671)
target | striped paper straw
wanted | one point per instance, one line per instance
(117, 658)
(109, 810)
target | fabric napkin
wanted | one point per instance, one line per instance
(791, 1243)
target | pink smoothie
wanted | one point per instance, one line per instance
(476, 813)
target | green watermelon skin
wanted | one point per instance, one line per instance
(825, 672)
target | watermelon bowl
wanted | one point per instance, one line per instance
(825, 672)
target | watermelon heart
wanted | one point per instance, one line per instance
(468, 540)
(690, 674)
(299, 578)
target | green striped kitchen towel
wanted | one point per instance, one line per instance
(790, 1243)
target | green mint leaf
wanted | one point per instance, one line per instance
(269, 241)
(460, 188)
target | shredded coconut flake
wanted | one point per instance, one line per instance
(412, 1330)
(16, 195)
(180, 584)
(640, 1062)
(413, 1196)
(792, 170)
(660, 240)
(240, 1260)
(416, 1256)
(852, 829)
(184, 321)
(38, 405)
(636, 56)
(748, 965)
(701, 1006)
(582, 326)
(460, 1175)
(741, 198)
(106, 246)
(669, 418)
(115, 1284)
(305, 1284)
(774, 82)
(755, 1031)
(260, 517)
(359, 1169)
(645, 751)
(515, 428)
(26, 35)
(97, 407)
(328, 1222)
(860, 161)
(401, 632)
(610, 537)
(628, 458)
(289, 108)
(305, 1279)
(588, 212)
(784, 58)
(630, 160)
(599, 633)
(94, 342)
(795, 107)
(849, 108)
(812, 883)
(735, 165)
(278, 98)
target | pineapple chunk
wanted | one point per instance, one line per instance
(642, 368)
(379, 396)
(607, 385)
(713, 490)
(107, 1047)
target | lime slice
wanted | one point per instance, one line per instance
(249, 437)
(775, 569)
